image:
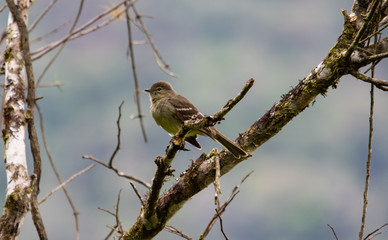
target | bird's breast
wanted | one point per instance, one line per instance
(164, 116)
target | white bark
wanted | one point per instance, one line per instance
(15, 149)
(18, 181)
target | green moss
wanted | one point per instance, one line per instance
(5, 136)
(338, 64)
(7, 54)
(29, 190)
(27, 116)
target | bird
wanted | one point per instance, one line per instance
(170, 110)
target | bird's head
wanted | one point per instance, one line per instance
(160, 90)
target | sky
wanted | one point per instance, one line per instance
(309, 175)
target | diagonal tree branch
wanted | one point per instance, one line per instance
(326, 74)
(221, 209)
(377, 82)
(54, 168)
(44, 12)
(62, 45)
(84, 29)
(162, 64)
(110, 164)
(62, 185)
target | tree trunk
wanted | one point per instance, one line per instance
(18, 182)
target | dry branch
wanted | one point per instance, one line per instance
(62, 45)
(175, 231)
(163, 65)
(44, 12)
(221, 209)
(63, 184)
(334, 233)
(84, 29)
(375, 232)
(118, 227)
(117, 171)
(110, 164)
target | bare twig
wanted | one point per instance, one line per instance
(110, 164)
(222, 208)
(137, 194)
(167, 227)
(368, 162)
(3, 7)
(375, 232)
(35, 23)
(232, 102)
(62, 45)
(163, 65)
(363, 29)
(54, 168)
(3, 36)
(332, 229)
(378, 56)
(134, 72)
(63, 184)
(117, 171)
(369, 159)
(118, 137)
(118, 222)
(56, 84)
(175, 231)
(217, 186)
(118, 227)
(107, 211)
(57, 29)
(84, 29)
(218, 116)
(372, 80)
(375, 33)
(222, 226)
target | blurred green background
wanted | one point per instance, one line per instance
(309, 175)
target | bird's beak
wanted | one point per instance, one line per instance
(147, 90)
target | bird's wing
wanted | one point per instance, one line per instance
(184, 109)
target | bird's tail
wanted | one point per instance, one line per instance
(237, 151)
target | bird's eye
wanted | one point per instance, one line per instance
(158, 89)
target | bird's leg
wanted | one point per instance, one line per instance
(182, 148)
